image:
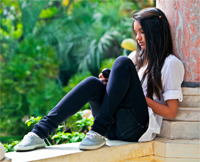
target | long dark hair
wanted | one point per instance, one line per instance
(158, 46)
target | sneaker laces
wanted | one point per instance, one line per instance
(29, 135)
(92, 135)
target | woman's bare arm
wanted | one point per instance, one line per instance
(168, 111)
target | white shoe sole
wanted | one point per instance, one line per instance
(92, 147)
(29, 148)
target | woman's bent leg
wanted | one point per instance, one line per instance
(89, 90)
(123, 91)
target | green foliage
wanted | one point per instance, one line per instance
(69, 137)
(84, 122)
(9, 138)
(33, 120)
(49, 12)
(28, 83)
(78, 114)
(74, 80)
(108, 63)
(76, 137)
(45, 43)
(30, 13)
(84, 38)
(62, 135)
(10, 147)
(10, 31)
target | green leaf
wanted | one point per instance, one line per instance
(8, 81)
(30, 13)
(49, 12)
(29, 123)
(55, 136)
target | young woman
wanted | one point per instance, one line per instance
(130, 105)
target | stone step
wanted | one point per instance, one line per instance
(180, 149)
(190, 91)
(188, 114)
(190, 101)
(180, 130)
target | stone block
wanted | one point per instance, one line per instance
(190, 101)
(190, 91)
(188, 114)
(188, 149)
(180, 130)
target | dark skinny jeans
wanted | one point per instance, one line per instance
(120, 109)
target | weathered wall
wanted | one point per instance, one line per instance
(184, 18)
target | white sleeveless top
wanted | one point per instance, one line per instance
(172, 75)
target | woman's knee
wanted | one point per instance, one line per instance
(92, 81)
(122, 61)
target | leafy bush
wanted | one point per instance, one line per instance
(28, 84)
(33, 120)
(74, 80)
(44, 43)
(107, 63)
(85, 38)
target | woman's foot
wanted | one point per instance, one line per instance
(30, 141)
(93, 140)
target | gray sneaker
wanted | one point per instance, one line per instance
(30, 141)
(92, 141)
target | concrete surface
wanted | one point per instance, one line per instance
(161, 149)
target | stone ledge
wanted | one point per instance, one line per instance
(180, 130)
(191, 91)
(166, 148)
(160, 149)
(190, 101)
(187, 114)
(113, 151)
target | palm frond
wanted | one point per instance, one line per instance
(30, 13)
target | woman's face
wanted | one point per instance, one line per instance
(140, 36)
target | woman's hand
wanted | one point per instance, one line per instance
(104, 80)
